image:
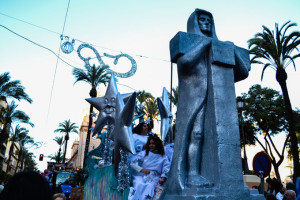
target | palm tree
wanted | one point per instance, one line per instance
(174, 97)
(23, 142)
(151, 110)
(143, 96)
(12, 89)
(93, 75)
(59, 141)
(17, 134)
(66, 127)
(11, 115)
(57, 157)
(28, 161)
(276, 49)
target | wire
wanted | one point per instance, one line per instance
(127, 86)
(62, 33)
(37, 44)
(37, 26)
(29, 23)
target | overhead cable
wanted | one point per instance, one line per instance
(37, 45)
(37, 26)
(62, 33)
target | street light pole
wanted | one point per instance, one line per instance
(240, 104)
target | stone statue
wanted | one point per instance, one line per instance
(206, 156)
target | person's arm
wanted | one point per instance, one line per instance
(135, 163)
(140, 169)
(165, 170)
(145, 171)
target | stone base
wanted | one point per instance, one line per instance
(215, 194)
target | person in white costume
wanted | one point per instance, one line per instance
(152, 166)
(140, 135)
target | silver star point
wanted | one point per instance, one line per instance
(165, 115)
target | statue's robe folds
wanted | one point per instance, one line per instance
(207, 71)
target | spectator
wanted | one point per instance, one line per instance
(59, 196)
(280, 194)
(1, 188)
(26, 185)
(270, 197)
(289, 195)
(291, 186)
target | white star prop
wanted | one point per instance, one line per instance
(122, 132)
(165, 115)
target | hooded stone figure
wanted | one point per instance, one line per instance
(207, 70)
(194, 26)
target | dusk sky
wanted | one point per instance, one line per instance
(139, 28)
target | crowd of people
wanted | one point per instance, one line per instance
(29, 185)
(277, 191)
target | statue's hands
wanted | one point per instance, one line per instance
(162, 180)
(145, 171)
(144, 146)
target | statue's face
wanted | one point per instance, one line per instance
(204, 23)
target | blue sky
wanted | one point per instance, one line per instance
(136, 27)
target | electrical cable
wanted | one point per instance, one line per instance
(59, 57)
(37, 44)
(37, 26)
(51, 94)
(127, 86)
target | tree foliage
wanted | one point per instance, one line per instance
(263, 110)
(264, 114)
(12, 89)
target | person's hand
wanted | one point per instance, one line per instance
(145, 171)
(162, 180)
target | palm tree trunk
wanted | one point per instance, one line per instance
(58, 159)
(66, 144)
(19, 158)
(22, 161)
(3, 138)
(290, 119)
(87, 141)
(9, 156)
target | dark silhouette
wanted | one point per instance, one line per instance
(26, 185)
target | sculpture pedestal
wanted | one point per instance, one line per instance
(216, 194)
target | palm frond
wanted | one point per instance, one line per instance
(12, 89)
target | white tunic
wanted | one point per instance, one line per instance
(144, 185)
(139, 141)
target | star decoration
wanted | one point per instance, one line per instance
(122, 132)
(165, 115)
(106, 105)
(133, 192)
